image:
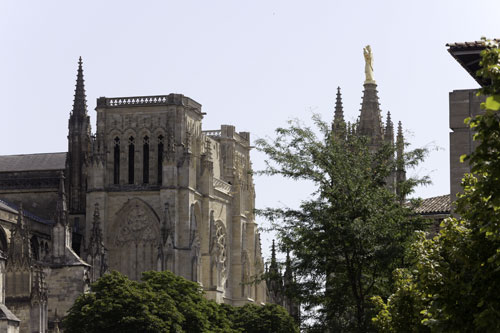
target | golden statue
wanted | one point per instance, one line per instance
(367, 51)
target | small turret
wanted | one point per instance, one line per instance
(61, 208)
(289, 283)
(389, 129)
(19, 254)
(338, 125)
(274, 280)
(61, 235)
(97, 257)
(400, 163)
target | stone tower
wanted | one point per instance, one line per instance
(370, 122)
(370, 125)
(168, 196)
(77, 158)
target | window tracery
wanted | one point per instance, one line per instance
(116, 161)
(145, 160)
(131, 164)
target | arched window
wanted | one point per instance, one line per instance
(116, 162)
(35, 249)
(160, 159)
(145, 160)
(131, 164)
(3, 241)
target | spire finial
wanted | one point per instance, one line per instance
(338, 124)
(61, 202)
(273, 251)
(288, 268)
(273, 267)
(400, 141)
(389, 129)
(400, 163)
(80, 100)
(20, 217)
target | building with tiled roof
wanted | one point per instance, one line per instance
(435, 206)
(435, 209)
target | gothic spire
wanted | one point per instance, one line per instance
(400, 163)
(274, 279)
(96, 234)
(79, 148)
(400, 141)
(338, 118)
(96, 251)
(61, 210)
(273, 267)
(389, 129)
(288, 277)
(19, 248)
(80, 101)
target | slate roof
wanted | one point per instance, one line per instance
(15, 209)
(5, 206)
(435, 205)
(33, 162)
(5, 314)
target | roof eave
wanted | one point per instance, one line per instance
(460, 53)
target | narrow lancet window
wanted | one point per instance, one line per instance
(131, 164)
(145, 160)
(116, 162)
(160, 159)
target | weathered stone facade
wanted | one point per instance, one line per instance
(149, 190)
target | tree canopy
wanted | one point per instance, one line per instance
(164, 302)
(453, 284)
(348, 237)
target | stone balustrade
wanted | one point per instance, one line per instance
(170, 99)
(222, 186)
(216, 133)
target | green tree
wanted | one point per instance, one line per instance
(164, 302)
(117, 304)
(456, 275)
(351, 234)
(269, 318)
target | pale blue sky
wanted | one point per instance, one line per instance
(253, 64)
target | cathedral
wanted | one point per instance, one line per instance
(148, 190)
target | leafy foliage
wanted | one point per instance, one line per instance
(117, 304)
(164, 302)
(455, 278)
(347, 239)
(270, 318)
